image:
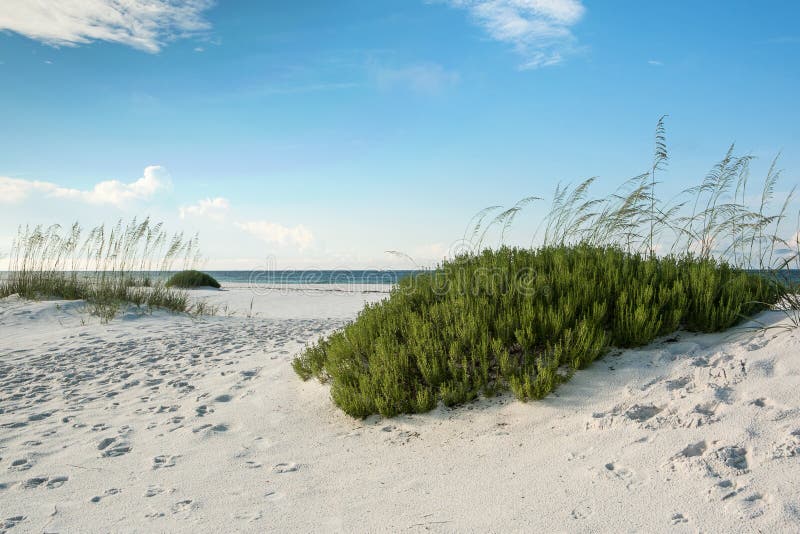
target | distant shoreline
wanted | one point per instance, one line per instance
(291, 276)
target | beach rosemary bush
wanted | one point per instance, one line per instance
(617, 271)
(522, 320)
(106, 267)
(191, 278)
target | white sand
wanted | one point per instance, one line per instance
(161, 423)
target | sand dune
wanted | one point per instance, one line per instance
(164, 423)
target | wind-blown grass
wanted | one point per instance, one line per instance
(609, 272)
(106, 267)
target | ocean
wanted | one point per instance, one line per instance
(293, 277)
(341, 276)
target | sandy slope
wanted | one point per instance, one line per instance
(163, 423)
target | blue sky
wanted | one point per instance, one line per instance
(324, 133)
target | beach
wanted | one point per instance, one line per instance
(488, 266)
(162, 422)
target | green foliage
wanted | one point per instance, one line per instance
(522, 320)
(191, 278)
(526, 319)
(106, 267)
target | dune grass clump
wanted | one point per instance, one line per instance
(617, 271)
(190, 279)
(522, 320)
(106, 267)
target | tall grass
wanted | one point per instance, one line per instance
(607, 271)
(106, 266)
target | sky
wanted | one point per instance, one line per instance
(317, 134)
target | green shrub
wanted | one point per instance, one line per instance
(527, 319)
(190, 279)
(522, 320)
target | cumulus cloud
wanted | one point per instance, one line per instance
(210, 208)
(540, 30)
(299, 235)
(429, 78)
(114, 192)
(144, 24)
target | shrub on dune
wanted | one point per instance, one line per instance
(520, 320)
(525, 320)
(191, 279)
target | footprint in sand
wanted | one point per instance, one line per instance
(733, 457)
(118, 449)
(152, 491)
(185, 505)
(249, 374)
(789, 448)
(642, 413)
(57, 482)
(760, 402)
(286, 468)
(757, 344)
(708, 409)
(32, 483)
(677, 519)
(678, 383)
(724, 394)
(105, 442)
(23, 464)
(15, 424)
(581, 512)
(161, 462)
(615, 471)
(250, 517)
(203, 410)
(108, 493)
(695, 449)
(10, 522)
(223, 398)
(724, 489)
(755, 504)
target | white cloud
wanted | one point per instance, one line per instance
(210, 208)
(429, 78)
(540, 30)
(299, 235)
(143, 24)
(655, 63)
(154, 179)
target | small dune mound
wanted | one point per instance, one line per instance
(190, 279)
